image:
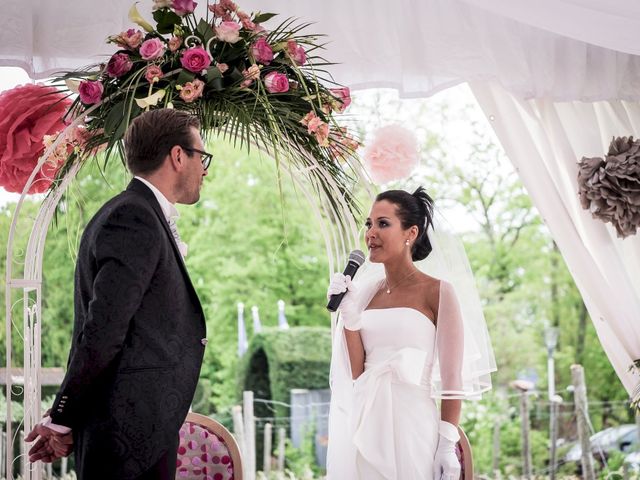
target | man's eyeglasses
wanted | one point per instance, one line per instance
(205, 157)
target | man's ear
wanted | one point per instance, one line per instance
(177, 157)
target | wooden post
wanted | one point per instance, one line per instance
(526, 448)
(250, 435)
(266, 457)
(238, 429)
(582, 416)
(496, 446)
(282, 433)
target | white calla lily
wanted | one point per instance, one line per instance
(136, 18)
(150, 101)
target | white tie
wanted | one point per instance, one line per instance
(174, 231)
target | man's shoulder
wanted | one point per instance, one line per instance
(127, 204)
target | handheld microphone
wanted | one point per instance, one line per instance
(356, 259)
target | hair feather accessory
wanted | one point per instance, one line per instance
(392, 154)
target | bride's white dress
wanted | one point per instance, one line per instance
(394, 418)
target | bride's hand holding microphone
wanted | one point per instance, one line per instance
(341, 293)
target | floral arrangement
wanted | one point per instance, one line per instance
(392, 154)
(252, 84)
(610, 187)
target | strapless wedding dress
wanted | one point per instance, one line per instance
(395, 420)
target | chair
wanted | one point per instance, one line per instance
(207, 451)
(463, 450)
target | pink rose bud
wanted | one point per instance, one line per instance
(183, 7)
(118, 65)
(296, 52)
(153, 73)
(152, 49)
(174, 43)
(262, 51)
(223, 67)
(343, 98)
(276, 82)
(90, 91)
(195, 59)
(228, 32)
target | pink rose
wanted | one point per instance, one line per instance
(191, 91)
(174, 43)
(223, 67)
(228, 32)
(183, 7)
(342, 98)
(262, 51)
(276, 82)
(90, 91)
(153, 73)
(29, 112)
(118, 65)
(296, 52)
(152, 49)
(195, 59)
(130, 39)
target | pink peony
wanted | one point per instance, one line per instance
(262, 51)
(296, 52)
(191, 91)
(153, 73)
(90, 91)
(228, 32)
(392, 155)
(183, 7)
(342, 98)
(152, 49)
(276, 82)
(29, 112)
(174, 43)
(195, 59)
(118, 65)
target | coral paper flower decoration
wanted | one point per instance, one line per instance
(29, 112)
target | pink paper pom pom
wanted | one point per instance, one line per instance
(392, 155)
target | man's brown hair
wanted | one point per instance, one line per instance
(152, 135)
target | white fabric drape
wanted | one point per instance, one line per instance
(545, 140)
(417, 47)
(612, 24)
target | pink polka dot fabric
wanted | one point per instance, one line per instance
(202, 455)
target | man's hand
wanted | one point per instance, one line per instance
(49, 445)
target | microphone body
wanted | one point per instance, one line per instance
(356, 259)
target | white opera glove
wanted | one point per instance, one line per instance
(349, 312)
(446, 465)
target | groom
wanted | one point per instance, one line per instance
(139, 330)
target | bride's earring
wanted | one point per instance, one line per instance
(406, 242)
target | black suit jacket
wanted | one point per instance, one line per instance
(138, 341)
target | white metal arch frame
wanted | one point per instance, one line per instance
(27, 286)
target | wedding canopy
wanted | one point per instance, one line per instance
(556, 78)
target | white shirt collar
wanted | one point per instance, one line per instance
(168, 209)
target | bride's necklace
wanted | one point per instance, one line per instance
(389, 287)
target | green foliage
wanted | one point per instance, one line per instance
(294, 358)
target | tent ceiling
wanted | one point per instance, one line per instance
(565, 50)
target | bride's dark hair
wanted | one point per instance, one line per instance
(413, 209)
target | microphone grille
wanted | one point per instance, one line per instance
(357, 256)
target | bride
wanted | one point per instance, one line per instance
(401, 343)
